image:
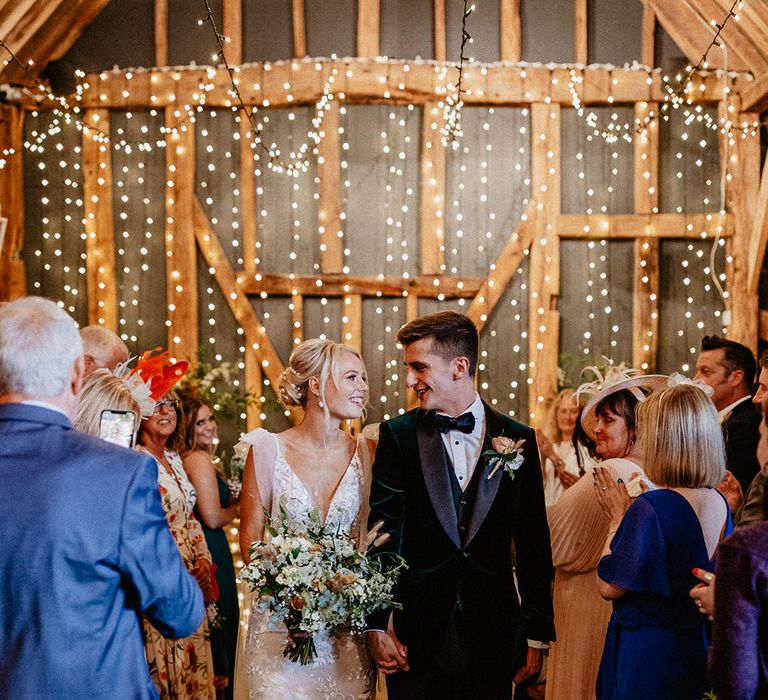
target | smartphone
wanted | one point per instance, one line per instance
(118, 427)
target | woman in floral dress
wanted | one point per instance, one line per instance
(180, 668)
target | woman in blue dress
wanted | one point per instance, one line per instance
(656, 644)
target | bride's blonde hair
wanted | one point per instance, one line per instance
(312, 358)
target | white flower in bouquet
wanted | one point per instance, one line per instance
(313, 579)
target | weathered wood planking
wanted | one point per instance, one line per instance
(12, 273)
(431, 192)
(329, 190)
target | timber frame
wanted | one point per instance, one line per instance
(366, 79)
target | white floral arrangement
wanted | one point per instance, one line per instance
(314, 579)
(506, 454)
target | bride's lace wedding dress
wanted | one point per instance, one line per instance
(343, 667)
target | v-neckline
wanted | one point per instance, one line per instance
(324, 518)
(698, 522)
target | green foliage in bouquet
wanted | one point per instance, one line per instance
(571, 366)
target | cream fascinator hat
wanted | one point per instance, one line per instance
(616, 378)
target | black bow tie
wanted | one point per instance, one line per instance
(465, 423)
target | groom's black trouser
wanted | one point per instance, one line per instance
(448, 675)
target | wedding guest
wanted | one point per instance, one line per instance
(754, 507)
(102, 348)
(214, 509)
(737, 600)
(729, 368)
(102, 391)
(84, 545)
(179, 668)
(578, 527)
(656, 644)
(567, 460)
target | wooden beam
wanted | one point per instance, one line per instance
(597, 226)
(233, 30)
(329, 191)
(241, 307)
(544, 256)
(248, 196)
(510, 33)
(754, 97)
(503, 270)
(759, 237)
(741, 157)
(440, 39)
(645, 301)
(297, 318)
(181, 253)
(648, 36)
(161, 32)
(582, 38)
(432, 192)
(12, 273)
(254, 384)
(692, 33)
(13, 15)
(366, 81)
(337, 285)
(368, 28)
(99, 230)
(299, 29)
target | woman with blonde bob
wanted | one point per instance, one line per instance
(656, 645)
(103, 391)
(314, 470)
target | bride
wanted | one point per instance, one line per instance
(312, 467)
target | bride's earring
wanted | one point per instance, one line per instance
(321, 404)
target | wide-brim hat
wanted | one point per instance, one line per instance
(616, 379)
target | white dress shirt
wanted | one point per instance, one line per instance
(464, 448)
(722, 415)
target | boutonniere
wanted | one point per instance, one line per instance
(505, 454)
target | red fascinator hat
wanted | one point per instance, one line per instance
(159, 372)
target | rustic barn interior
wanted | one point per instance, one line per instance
(604, 194)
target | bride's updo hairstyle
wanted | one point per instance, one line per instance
(312, 358)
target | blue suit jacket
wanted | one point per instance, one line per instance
(85, 549)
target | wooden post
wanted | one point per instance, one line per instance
(329, 190)
(233, 30)
(99, 231)
(510, 31)
(248, 196)
(432, 189)
(440, 52)
(352, 335)
(161, 32)
(544, 265)
(742, 159)
(12, 274)
(648, 38)
(297, 318)
(299, 29)
(582, 37)
(645, 304)
(253, 383)
(368, 28)
(181, 252)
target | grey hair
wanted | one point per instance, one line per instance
(102, 344)
(39, 344)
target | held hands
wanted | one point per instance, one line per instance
(703, 594)
(531, 668)
(389, 654)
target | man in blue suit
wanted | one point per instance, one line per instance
(85, 548)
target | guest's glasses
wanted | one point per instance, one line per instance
(166, 403)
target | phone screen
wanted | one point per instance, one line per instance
(117, 427)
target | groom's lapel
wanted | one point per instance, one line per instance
(435, 470)
(486, 488)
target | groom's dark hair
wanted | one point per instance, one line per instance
(452, 333)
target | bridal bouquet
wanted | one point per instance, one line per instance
(313, 578)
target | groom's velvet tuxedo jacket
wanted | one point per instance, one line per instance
(466, 560)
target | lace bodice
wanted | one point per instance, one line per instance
(291, 493)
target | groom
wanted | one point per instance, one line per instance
(462, 631)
